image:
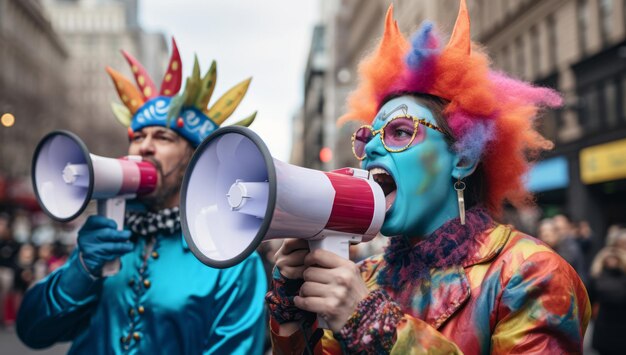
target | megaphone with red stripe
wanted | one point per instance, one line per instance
(235, 195)
(66, 177)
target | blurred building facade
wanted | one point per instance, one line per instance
(575, 46)
(53, 55)
(313, 127)
(95, 31)
(308, 127)
(33, 82)
(579, 48)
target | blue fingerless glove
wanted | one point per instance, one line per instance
(100, 242)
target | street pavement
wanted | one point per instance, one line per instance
(11, 345)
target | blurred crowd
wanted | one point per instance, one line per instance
(604, 275)
(30, 248)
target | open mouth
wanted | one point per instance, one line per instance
(387, 183)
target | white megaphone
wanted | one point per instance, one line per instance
(66, 177)
(235, 195)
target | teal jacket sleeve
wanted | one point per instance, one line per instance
(239, 313)
(59, 306)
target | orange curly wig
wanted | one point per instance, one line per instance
(490, 114)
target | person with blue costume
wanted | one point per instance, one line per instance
(163, 300)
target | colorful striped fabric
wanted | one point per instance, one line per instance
(512, 295)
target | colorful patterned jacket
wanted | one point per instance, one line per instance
(512, 295)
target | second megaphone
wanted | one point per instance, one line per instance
(66, 177)
(235, 195)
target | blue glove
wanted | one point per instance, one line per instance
(100, 242)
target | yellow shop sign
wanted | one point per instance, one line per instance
(603, 162)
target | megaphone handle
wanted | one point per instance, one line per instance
(113, 208)
(339, 245)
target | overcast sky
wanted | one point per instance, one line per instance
(268, 40)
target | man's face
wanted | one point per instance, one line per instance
(170, 153)
(419, 177)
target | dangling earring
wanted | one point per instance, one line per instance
(459, 186)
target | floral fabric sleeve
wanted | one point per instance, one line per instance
(280, 299)
(372, 327)
(282, 310)
(378, 326)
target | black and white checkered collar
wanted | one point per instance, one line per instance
(147, 223)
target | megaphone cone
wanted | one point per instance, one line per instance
(235, 195)
(215, 187)
(60, 200)
(66, 177)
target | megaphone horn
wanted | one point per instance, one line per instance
(66, 177)
(235, 195)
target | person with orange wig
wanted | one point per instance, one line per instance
(449, 140)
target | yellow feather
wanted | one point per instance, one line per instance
(226, 104)
(122, 113)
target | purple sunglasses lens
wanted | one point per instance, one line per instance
(398, 133)
(362, 136)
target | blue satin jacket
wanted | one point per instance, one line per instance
(163, 301)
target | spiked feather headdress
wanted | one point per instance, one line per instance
(187, 113)
(491, 115)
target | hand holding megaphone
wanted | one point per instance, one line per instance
(100, 243)
(66, 177)
(318, 282)
(235, 195)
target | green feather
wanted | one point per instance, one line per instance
(175, 106)
(206, 88)
(246, 122)
(192, 87)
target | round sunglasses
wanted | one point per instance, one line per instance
(397, 135)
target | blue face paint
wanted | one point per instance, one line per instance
(425, 196)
